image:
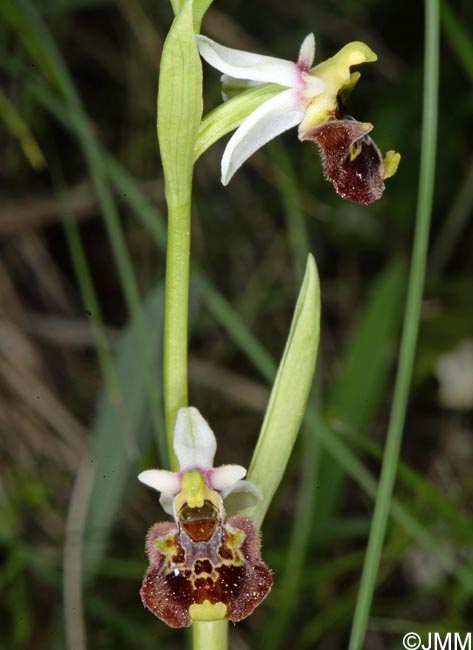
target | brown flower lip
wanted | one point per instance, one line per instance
(352, 162)
(224, 574)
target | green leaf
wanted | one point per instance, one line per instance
(121, 429)
(25, 21)
(331, 440)
(361, 383)
(289, 394)
(179, 106)
(24, 18)
(454, 523)
(21, 131)
(460, 40)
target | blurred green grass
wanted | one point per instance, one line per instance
(81, 75)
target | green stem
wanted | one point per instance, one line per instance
(410, 330)
(179, 116)
(210, 636)
(176, 309)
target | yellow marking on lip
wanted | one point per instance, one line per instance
(235, 538)
(355, 151)
(207, 611)
(167, 546)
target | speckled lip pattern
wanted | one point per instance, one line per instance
(227, 569)
(352, 161)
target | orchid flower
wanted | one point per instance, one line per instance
(203, 566)
(313, 98)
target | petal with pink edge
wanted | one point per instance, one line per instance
(247, 65)
(161, 480)
(226, 475)
(307, 52)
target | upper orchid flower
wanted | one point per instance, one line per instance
(203, 566)
(313, 99)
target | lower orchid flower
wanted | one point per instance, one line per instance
(313, 98)
(204, 566)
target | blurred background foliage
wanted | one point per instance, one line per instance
(82, 235)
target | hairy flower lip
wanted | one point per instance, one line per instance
(224, 577)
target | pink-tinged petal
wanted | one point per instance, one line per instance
(240, 495)
(313, 86)
(278, 114)
(247, 65)
(352, 161)
(307, 53)
(161, 480)
(225, 476)
(194, 441)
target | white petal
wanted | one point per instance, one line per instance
(246, 65)
(167, 502)
(225, 476)
(161, 480)
(275, 116)
(241, 495)
(194, 441)
(307, 52)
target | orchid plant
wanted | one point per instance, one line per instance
(205, 565)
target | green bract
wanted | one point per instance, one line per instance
(179, 106)
(289, 394)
